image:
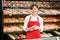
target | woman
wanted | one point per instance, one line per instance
(33, 23)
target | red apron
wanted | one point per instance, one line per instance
(34, 33)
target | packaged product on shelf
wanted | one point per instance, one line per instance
(46, 34)
(17, 37)
(29, 3)
(7, 29)
(22, 36)
(6, 3)
(51, 19)
(10, 20)
(25, 11)
(20, 26)
(51, 26)
(57, 32)
(22, 19)
(11, 28)
(52, 11)
(50, 34)
(4, 29)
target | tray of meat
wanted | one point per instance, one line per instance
(11, 29)
(51, 26)
(46, 34)
(16, 36)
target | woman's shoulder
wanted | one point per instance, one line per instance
(40, 17)
(28, 16)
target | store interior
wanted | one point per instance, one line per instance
(15, 12)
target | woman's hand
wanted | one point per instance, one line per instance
(35, 27)
(29, 29)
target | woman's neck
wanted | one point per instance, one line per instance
(34, 14)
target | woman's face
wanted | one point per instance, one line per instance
(35, 10)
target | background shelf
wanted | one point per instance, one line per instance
(19, 32)
(37, 0)
(29, 7)
(24, 15)
(23, 22)
(57, 14)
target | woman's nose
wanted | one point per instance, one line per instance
(34, 8)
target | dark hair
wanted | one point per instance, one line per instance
(33, 6)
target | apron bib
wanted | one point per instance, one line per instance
(34, 33)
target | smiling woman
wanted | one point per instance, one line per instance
(33, 23)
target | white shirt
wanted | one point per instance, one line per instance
(33, 18)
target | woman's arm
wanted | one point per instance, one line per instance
(41, 24)
(25, 23)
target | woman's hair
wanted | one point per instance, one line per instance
(33, 6)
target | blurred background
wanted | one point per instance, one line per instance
(15, 12)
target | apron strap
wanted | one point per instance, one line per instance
(30, 18)
(38, 18)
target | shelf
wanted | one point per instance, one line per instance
(43, 38)
(28, 7)
(19, 32)
(12, 32)
(23, 32)
(24, 15)
(16, 7)
(11, 36)
(52, 21)
(48, 30)
(14, 23)
(49, 14)
(57, 33)
(53, 37)
(37, 0)
(23, 22)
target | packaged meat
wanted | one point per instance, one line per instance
(22, 36)
(51, 26)
(17, 37)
